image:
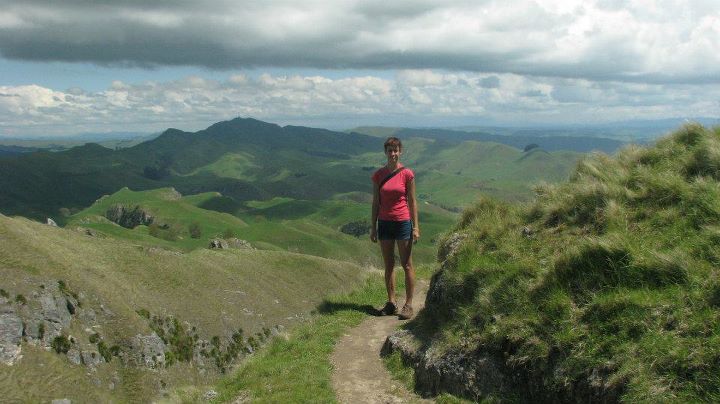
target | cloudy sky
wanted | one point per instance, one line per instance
(99, 65)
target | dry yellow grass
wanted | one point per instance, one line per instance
(216, 291)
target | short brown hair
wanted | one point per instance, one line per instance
(393, 141)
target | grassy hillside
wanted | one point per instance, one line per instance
(244, 159)
(249, 160)
(283, 224)
(604, 289)
(214, 292)
(454, 175)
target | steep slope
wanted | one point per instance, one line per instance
(604, 289)
(139, 319)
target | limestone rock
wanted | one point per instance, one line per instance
(61, 401)
(51, 222)
(218, 244)
(149, 350)
(11, 329)
(55, 309)
(74, 356)
(129, 218)
(241, 244)
(465, 376)
(34, 328)
(91, 358)
(450, 247)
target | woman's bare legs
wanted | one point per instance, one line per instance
(405, 251)
(388, 252)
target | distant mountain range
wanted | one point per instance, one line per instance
(247, 159)
(634, 131)
(281, 161)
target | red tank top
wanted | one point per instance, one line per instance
(393, 194)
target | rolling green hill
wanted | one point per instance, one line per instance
(286, 161)
(249, 160)
(282, 224)
(455, 174)
(116, 290)
(604, 289)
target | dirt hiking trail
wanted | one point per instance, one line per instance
(359, 375)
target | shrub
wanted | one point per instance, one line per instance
(165, 231)
(105, 352)
(4, 293)
(94, 338)
(20, 299)
(356, 228)
(194, 230)
(143, 313)
(60, 344)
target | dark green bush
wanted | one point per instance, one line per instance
(356, 228)
(61, 344)
(105, 352)
(195, 230)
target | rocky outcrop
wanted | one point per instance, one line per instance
(450, 246)
(55, 314)
(478, 374)
(47, 317)
(455, 373)
(239, 244)
(43, 320)
(148, 351)
(129, 218)
(11, 329)
(218, 244)
(222, 244)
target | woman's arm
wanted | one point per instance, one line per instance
(375, 211)
(412, 205)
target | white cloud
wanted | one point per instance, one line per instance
(412, 96)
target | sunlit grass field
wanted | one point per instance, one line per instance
(215, 291)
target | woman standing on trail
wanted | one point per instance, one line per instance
(395, 220)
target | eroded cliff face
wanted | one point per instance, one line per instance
(59, 320)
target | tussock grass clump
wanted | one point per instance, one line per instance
(603, 288)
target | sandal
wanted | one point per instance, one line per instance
(406, 313)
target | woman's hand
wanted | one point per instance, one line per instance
(373, 235)
(416, 234)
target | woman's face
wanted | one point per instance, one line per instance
(393, 154)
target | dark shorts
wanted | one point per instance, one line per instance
(392, 230)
